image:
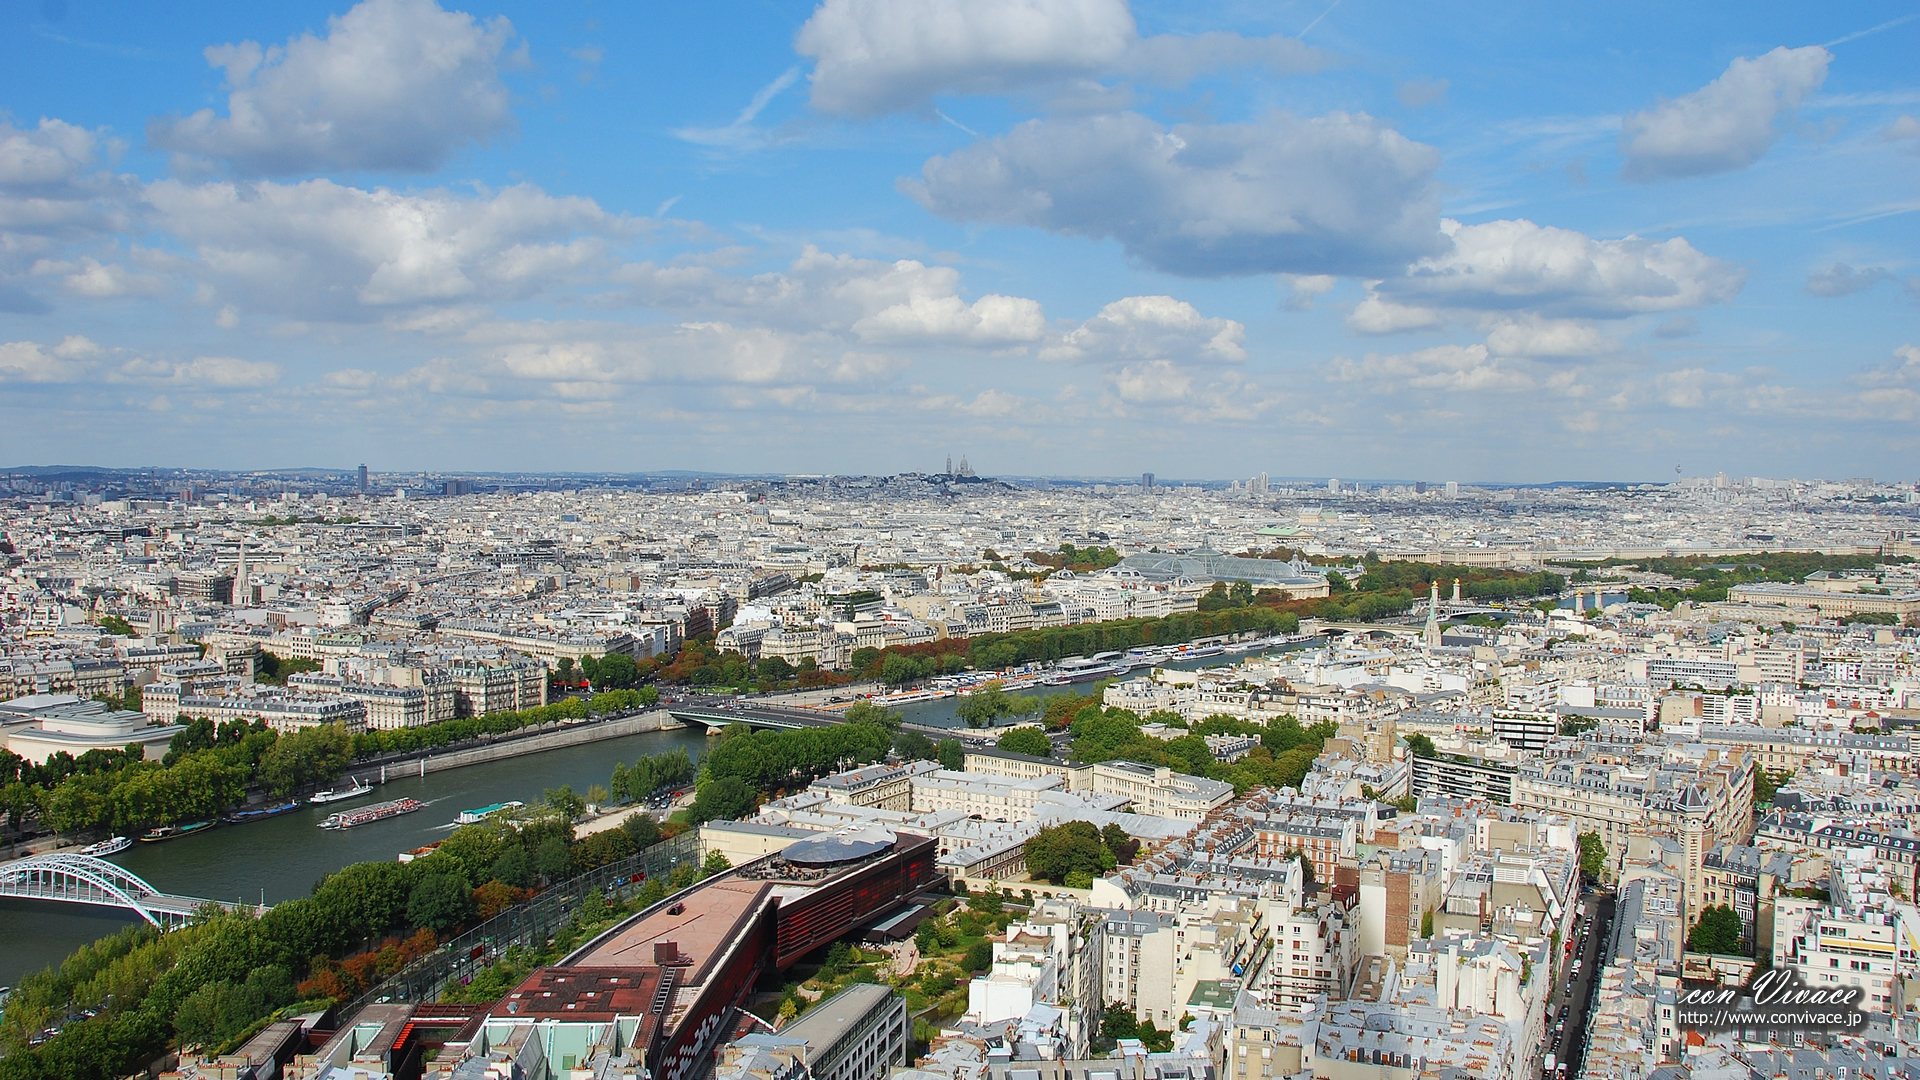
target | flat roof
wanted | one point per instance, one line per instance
(710, 919)
(828, 1022)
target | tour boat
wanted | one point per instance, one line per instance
(366, 815)
(338, 794)
(107, 847)
(469, 817)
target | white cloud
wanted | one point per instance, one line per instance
(989, 320)
(1534, 336)
(31, 362)
(880, 56)
(877, 56)
(395, 84)
(1156, 382)
(1904, 372)
(1842, 280)
(900, 301)
(1456, 368)
(1905, 128)
(1517, 265)
(51, 192)
(98, 280)
(324, 250)
(1305, 288)
(219, 372)
(1157, 328)
(1338, 194)
(1728, 123)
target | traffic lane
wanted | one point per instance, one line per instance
(1577, 1000)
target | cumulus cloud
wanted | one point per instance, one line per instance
(1304, 288)
(324, 250)
(394, 84)
(1155, 328)
(31, 362)
(1728, 123)
(901, 301)
(1469, 368)
(52, 192)
(880, 56)
(1516, 265)
(220, 372)
(1337, 194)
(1904, 371)
(1904, 129)
(93, 278)
(1843, 280)
(1534, 336)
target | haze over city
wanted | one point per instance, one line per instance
(1515, 243)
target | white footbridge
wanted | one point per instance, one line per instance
(84, 879)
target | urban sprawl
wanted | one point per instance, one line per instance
(1006, 780)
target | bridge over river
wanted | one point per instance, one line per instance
(84, 879)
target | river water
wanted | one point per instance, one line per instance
(281, 858)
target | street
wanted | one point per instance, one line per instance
(1567, 1022)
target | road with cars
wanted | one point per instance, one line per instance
(1582, 958)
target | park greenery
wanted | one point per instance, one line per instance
(990, 704)
(123, 1000)
(1026, 740)
(748, 764)
(1073, 853)
(1282, 759)
(119, 627)
(1718, 931)
(1715, 576)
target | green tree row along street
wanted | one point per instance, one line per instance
(209, 768)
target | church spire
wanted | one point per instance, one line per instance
(1431, 635)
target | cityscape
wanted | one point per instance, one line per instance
(959, 540)
(943, 775)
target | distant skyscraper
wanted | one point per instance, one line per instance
(363, 478)
(1146, 480)
(1453, 489)
(1333, 485)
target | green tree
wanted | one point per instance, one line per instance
(1420, 745)
(979, 957)
(717, 863)
(1026, 740)
(952, 756)
(1766, 782)
(114, 624)
(563, 670)
(913, 746)
(552, 859)
(866, 712)
(642, 830)
(1718, 931)
(1593, 856)
(564, 801)
(727, 799)
(1071, 846)
(439, 902)
(618, 783)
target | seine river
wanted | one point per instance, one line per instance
(281, 858)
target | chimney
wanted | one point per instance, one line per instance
(666, 953)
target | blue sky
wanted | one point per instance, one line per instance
(1070, 237)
